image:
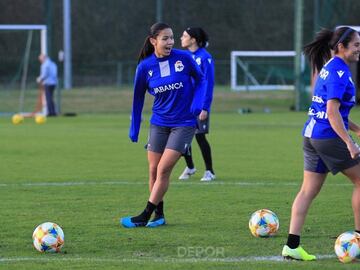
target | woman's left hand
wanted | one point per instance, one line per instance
(203, 115)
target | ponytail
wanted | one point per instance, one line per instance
(319, 50)
(148, 49)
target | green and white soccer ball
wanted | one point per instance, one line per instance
(347, 246)
(264, 223)
(48, 237)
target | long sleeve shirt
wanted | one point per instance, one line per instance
(178, 87)
(48, 72)
(206, 63)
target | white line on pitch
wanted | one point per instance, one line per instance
(221, 183)
(160, 260)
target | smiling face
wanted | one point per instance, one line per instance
(163, 43)
(351, 53)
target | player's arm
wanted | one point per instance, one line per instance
(140, 87)
(338, 126)
(208, 70)
(199, 85)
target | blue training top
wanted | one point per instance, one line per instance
(205, 61)
(333, 82)
(178, 87)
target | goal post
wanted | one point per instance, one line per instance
(262, 70)
(40, 106)
(41, 27)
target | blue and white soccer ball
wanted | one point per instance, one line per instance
(263, 223)
(347, 246)
(48, 237)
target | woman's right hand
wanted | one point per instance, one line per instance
(353, 149)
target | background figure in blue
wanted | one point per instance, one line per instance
(178, 86)
(327, 145)
(195, 39)
(48, 77)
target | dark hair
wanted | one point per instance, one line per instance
(147, 49)
(319, 50)
(200, 36)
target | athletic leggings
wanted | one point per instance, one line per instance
(205, 151)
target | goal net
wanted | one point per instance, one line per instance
(21, 46)
(262, 70)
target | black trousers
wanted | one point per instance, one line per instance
(49, 94)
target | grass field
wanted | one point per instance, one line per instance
(84, 174)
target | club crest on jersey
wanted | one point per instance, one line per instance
(198, 61)
(179, 66)
(150, 73)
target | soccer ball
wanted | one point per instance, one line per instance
(17, 119)
(48, 237)
(347, 246)
(263, 223)
(40, 119)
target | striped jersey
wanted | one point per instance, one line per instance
(178, 87)
(333, 82)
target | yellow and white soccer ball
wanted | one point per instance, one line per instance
(263, 223)
(48, 237)
(40, 119)
(347, 246)
(17, 119)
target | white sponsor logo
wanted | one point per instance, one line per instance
(340, 73)
(198, 61)
(317, 99)
(168, 87)
(323, 74)
(150, 73)
(319, 115)
(209, 60)
(179, 66)
(164, 68)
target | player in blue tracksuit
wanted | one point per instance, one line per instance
(178, 86)
(327, 145)
(195, 39)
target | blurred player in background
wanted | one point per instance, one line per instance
(195, 39)
(48, 78)
(327, 145)
(178, 86)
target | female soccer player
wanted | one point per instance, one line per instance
(327, 144)
(178, 86)
(195, 39)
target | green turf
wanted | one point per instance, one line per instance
(84, 174)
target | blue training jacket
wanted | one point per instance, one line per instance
(178, 86)
(205, 61)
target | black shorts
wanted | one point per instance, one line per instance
(324, 155)
(175, 138)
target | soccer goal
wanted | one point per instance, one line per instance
(23, 44)
(262, 70)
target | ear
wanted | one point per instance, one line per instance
(153, 41)
(341, 47)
